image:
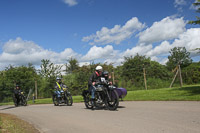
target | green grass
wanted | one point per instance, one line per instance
(186, 93)
(12, 124)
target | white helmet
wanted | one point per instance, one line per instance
(99, 68)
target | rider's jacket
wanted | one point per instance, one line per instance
(17, 92)
(59, 86)
(95, 77)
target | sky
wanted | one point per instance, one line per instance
(96, 31)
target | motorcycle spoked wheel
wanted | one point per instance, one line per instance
(55, 101)
(23, 101)
(99, 103)
(114, 102)
(68, 99)
(15, 101)
(87, 101)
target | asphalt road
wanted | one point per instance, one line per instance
(131, 117)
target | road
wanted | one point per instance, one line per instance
(131, 117)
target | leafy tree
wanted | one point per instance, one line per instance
(191, 74)
(132, 68)
(23, 75)
(196, 4)
(49, 69)
(178, 55)
(72, 65)
(156, 70)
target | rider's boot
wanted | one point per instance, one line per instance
(93, 102)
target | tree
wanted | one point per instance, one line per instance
(22, 75)
(191, 74)
(72, 65)
(48, 69)
(196, 4)
(178, 55)
(132, 68)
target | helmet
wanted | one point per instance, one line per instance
(99, 68)
(105, 73)
(58, 78)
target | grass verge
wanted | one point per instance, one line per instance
(186, 93)
(12, 124)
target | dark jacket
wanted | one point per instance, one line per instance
(17, 91)
(94, 78)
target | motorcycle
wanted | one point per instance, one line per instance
(22, 99)
(62, 96)
(105, 96)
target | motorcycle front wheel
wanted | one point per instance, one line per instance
(87, 101)
(69, 100)
(113, 103)
(55, 101)
(24, 102)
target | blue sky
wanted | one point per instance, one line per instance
(94, 30)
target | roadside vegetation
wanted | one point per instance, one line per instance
(185, 93)
(139, 75)
(11, 124)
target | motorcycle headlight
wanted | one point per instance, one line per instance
(64, 89)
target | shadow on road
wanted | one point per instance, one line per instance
(10, 107)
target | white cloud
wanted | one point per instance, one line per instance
(99, 53)
(140, 49)
(179, 3)
(70, 2)
(22, 52)
(161, 49)
(189, 39)
(166, 29)
(116, 35)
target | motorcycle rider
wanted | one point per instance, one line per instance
(17, 93)
(107, 77)
(59, 86)
(95, 77)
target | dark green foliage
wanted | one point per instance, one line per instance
(132, 68)
(23, 75)
(132, 73)
(72, 66)
(178, 55)
(191, 74)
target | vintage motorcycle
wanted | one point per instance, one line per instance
(22, 99)
(105, 96)
(62, 96)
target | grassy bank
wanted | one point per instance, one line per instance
(11, 124)
(186, 93)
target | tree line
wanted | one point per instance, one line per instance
(129, 75)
